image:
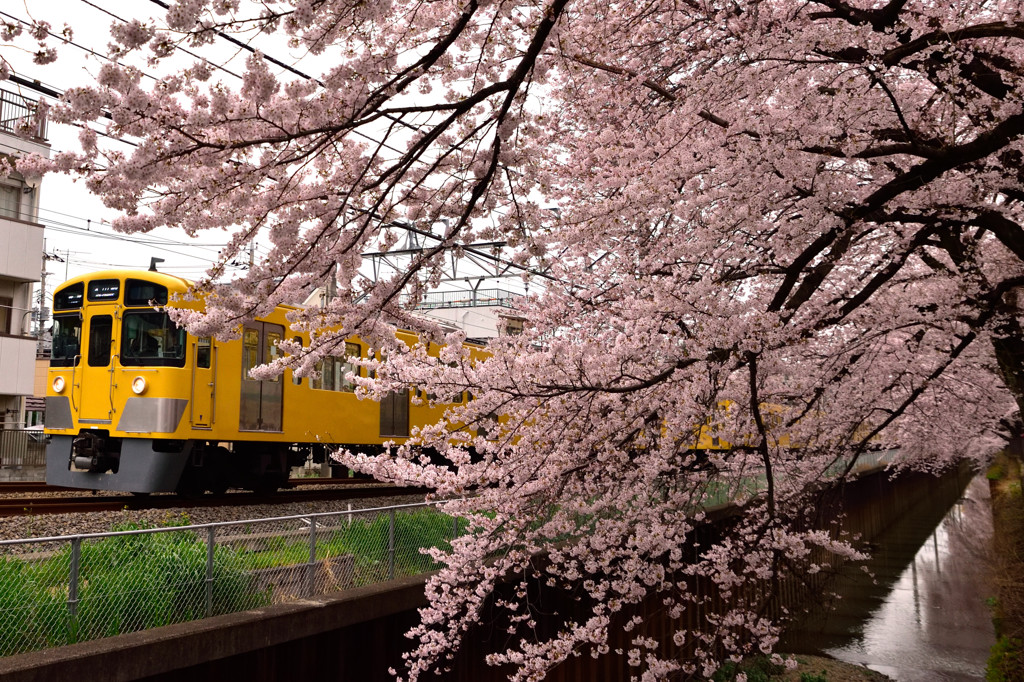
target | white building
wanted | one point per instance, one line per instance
(21, 252)
(481, 313)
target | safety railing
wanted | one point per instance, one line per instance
(467, 299)
(18, 116)
(19, 447)
(60, 590)
(730, 491)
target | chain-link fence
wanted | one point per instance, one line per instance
(60, 590)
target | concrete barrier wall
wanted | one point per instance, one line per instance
(20, 473)
(353, 636)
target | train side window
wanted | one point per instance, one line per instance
(250, 352)
(272, 351)
(100, 330)
(352, 350)
(297, 380)
(327, 374)
(203, 353)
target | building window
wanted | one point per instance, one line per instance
(10, 201)
(6, 305)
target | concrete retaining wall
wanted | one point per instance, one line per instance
(22, 473)
(353, 636)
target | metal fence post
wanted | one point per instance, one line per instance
(391, 546)
(76, 553)
(311, 566)
(210, 540)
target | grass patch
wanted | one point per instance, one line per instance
(756, 668)
(1006, 661)
(125, 583)
(133, 582)
(367, 541)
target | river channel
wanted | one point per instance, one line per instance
(923, 616)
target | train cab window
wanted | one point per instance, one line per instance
(104, 290)
(69, 298)
(101, 329)
(67, 340)
(203, 353)
(151, 338)
(141, 292)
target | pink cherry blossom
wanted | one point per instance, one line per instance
(793, 228)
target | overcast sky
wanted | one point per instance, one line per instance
(77, 230)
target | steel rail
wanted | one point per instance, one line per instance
(27, 506)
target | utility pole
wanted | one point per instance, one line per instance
(41, 317)
(42, 312)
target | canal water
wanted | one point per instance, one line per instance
(923, 615)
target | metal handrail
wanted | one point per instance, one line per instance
(20, 115)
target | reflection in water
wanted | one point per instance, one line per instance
(924, 615)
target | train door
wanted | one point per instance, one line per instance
(203, 370)
(394, 414)
(261, 401)
(96, 382)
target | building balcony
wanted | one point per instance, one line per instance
(21, 249)
(17, 364)
(22, 116)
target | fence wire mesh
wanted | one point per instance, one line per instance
(56, 591)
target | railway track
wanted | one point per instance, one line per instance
(7, 487)
(298, 491)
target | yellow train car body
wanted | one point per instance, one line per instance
(135, 403)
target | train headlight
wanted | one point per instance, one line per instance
(58, 384)
(138, 385)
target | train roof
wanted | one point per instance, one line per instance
(172, 282)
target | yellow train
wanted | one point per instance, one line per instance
(135, 403)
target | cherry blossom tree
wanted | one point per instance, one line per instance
(794, 228)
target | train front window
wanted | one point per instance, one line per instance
(100, 329)
(67, 340)
(151, 338)
(104, 290)
(69, 298)
(141, 292)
